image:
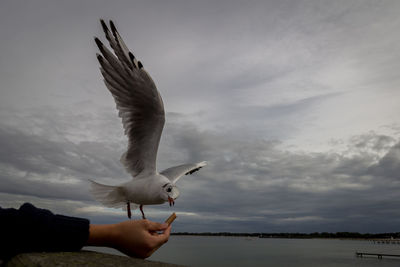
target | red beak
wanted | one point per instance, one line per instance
(171, 201)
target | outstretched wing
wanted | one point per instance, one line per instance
(137, 99)
(174, 173)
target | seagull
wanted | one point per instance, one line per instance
(141, 109)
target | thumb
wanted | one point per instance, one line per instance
(155, 226)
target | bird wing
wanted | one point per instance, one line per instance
(137, 99)
(174, 173)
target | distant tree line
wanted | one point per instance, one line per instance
(338, 235)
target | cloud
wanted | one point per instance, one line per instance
(255, 178)
(300, 219)
(257, 90)
(54, 164)
(249, 184)
(99, 211)
(389, 166)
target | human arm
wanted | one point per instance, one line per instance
(135, 238)
(30, 229)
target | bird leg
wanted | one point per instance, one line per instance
(128, 208)
(141, 209)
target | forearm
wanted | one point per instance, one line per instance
(101, 235)
(31, 229)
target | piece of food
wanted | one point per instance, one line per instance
(171, 218)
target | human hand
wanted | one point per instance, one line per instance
(140, 238)
(136, 238)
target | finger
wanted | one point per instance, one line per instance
(168, 231)
(160, 239)
(163, 237)
(155, 226)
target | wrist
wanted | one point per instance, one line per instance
(102, 235)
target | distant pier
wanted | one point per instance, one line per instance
(380, 255)
(386, 241)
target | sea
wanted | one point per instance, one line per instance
(253, 251)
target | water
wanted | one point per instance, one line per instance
(241, 251)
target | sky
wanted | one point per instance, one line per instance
(293, 104)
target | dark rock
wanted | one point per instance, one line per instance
(82, 258)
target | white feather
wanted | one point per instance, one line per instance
(142, 112)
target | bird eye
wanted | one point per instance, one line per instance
(169, 189)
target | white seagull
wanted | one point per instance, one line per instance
(142, 111)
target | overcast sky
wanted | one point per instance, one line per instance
(294, 104)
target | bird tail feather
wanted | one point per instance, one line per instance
(109, 196)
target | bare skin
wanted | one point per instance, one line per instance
(135, 238)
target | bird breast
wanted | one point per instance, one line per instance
(145, 191)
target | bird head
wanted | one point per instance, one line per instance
(169, 193)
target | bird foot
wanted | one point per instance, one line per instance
(171, 201)
(141, 209)
(128, 208)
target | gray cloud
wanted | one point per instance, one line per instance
(255, 180)
(247, 87)
(249, 185)
(40, 158)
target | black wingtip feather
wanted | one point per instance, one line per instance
(113, 28)
(98, 42)
(99, 58)
(140, 65)
(132, 57)
(103, 24)
(192, 171)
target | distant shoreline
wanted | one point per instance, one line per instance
(338, 235)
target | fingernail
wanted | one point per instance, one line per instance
(164, 225)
